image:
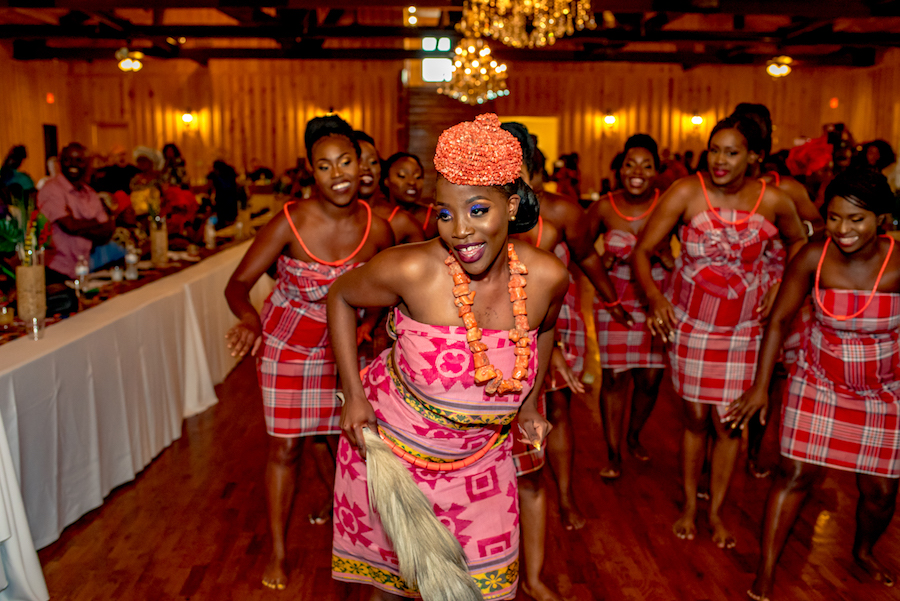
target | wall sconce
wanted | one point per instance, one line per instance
(410, 18)
(187, 118)
(129, 61)
(780, 66)
(609, 119)
(696, 120)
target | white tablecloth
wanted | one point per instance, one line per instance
(91, 404)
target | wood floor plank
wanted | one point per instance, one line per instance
(193, 525)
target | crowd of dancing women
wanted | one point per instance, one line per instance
(767, 300)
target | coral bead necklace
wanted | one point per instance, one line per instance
(485, 372)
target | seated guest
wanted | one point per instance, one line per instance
(52, 171)
(10, 174)
(174, 171)
(117, 176)
(77, 215)
(258, 172)
(227, 193)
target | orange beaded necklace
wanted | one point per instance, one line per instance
(639, 217)
(485, 372)
(874, 288)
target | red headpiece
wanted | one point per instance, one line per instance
(478, 153)
(808, 158)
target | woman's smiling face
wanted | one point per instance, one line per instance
(473, 222)
(638, 171)
(728, 157)
(851, 227)
(369, 170)
(335, 167)
(405, 180)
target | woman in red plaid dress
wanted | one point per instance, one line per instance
(842, 408)
(313, 242)
(814, 225)
(718, 299)
(629, 356)
(575, 246)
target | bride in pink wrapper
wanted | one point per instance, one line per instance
(474, 313)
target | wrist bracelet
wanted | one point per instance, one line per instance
(615, 303)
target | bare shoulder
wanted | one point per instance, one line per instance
(382, 234)
(793, 188)
(544, 268)
(807, 258)
(405, 222)
(560, 209)
(415, 262)
(278, 227)
(779, 200)
(685, 187)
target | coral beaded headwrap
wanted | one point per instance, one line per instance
(478, 153)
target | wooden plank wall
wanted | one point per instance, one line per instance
(255, 108)
(661, 99)
(243, 109)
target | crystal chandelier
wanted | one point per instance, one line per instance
(477, 76)
(525, 23)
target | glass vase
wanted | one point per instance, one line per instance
(31, 293)
(159, 241)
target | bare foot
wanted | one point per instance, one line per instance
(756, 471)
(875, 569)
(613, 470)
(721, 535)
(540, 592)
(761, 589)
(322, 516)
(274, 576)
(638, 451)
(571, 517)
(684, 528)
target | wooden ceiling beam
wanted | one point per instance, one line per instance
(37, 50)
(823, 9)
(821, 34)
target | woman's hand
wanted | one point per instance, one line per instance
(357, 414)
(755, 400)
(666, 258)
(768, 301)
(621, 316)
(364, 332)
(561, 372)
(661, 317)
(244, 337)
(533, 426)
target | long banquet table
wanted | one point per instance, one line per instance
(92, 403)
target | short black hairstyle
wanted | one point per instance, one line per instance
(174, 149)
(387, 164)
(763, 117)
(538, 160)
(362, 136)
(529, 206)
(747, 126)
(865, 188)
(646, 142)
(322, 127)
(15, 156)
(887, 155)
(526, 142)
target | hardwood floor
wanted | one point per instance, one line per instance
(193, 526)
